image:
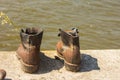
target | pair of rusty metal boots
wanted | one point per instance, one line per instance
(67, 48)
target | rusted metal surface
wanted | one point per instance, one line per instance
(68, 48)
(28, 51)
(2, 74)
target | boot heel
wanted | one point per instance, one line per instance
(29, 68)
(72, 67)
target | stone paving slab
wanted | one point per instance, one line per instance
(96, 65)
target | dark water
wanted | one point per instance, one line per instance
(98, 21)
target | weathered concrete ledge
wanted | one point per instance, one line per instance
(96, 65)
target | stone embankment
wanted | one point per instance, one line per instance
(96, 65)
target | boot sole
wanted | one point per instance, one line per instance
(72, 67)
(27, 67)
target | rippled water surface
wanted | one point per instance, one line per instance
(98, 21)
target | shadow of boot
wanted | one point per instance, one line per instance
(88, 63)
(48, 64)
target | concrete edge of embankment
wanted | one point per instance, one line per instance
(96, 65)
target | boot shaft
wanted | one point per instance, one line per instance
(69, 38)
(31, 37)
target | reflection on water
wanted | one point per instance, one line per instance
(98, 21)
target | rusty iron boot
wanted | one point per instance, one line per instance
(2, 74)
(68, 48)
(29, 49)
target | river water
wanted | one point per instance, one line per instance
(98, 21)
